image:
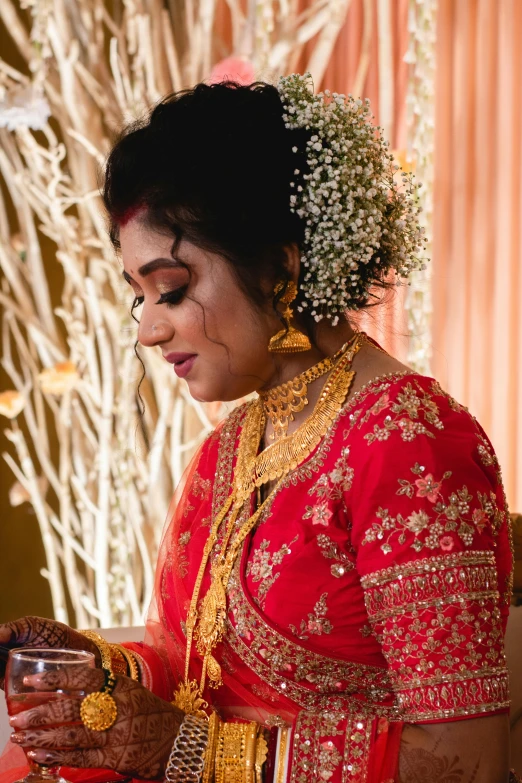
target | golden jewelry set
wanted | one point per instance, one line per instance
(235, 752)
(208, 750)
(98, 710)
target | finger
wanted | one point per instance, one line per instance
(33, 632)
(92, 758)
(50, 714)
(71, 736)
(74, 678)
(12, 634)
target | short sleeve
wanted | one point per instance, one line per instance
(431, 534)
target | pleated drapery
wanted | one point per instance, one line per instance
(477, 244)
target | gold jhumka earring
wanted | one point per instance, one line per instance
(289, 339)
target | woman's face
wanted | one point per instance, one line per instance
(195, 312)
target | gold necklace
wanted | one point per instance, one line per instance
(281, 402)
(206, 625)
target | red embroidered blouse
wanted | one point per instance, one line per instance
(374, 591)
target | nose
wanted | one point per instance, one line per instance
(153, 331)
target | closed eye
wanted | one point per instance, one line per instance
(172, 298)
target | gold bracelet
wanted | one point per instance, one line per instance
(214, 724)
(240, 754)
(128, 655)
(103, 647)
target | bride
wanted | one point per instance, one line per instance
(334, 580)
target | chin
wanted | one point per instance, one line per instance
(200, 393)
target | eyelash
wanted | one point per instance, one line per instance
(171, 298)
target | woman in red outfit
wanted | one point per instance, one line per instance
(334, 580)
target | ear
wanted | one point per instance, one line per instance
(293, 261)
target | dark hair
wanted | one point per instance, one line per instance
(213, 165)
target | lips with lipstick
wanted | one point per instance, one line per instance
(183, 362)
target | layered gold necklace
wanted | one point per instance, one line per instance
(281, 402)
(206, 623)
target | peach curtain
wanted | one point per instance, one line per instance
(477, 243)
(477, 252)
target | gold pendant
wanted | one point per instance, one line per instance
(188, 699)
(213, 669)
(98, 711)
(212, 616)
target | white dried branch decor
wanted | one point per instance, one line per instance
(100, 496)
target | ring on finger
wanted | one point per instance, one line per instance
(98, 710)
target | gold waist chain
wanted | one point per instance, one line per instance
(206, 624)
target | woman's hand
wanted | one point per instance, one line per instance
(41, 632)
(137, 745)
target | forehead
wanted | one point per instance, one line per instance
(139, 244)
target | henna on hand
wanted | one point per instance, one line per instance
(419, 765)
(137, 745)
(455, 752)
(50, 714)
(42, 632)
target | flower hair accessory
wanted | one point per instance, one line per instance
(360, 223)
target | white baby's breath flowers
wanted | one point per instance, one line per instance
(360, 223)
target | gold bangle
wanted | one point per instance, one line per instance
(240, 754)
(128, 655)
(103, 647)
(214, 725)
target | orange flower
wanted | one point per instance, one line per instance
(11, 403)
(58, 379)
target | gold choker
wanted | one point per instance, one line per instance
(281, 402)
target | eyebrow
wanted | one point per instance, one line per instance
(153, 266)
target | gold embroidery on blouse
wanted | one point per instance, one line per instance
(332, 551)
(225, 461)
(308, 678)
(316, 623)
(261, 567)
(452, 515)
(440, 629)
(406, 411)
(323, 742)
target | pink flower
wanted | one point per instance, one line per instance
(381, 404)
(428, 488)
(321, 515)
(446, 543)
(235, 69)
